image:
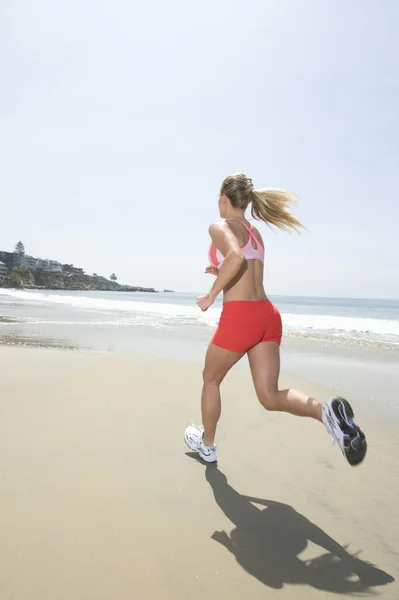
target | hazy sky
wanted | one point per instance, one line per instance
(119, 120)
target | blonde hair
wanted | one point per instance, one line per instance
(268, 204)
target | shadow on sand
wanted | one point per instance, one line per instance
(266, 543)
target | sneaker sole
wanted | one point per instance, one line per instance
(205, 458)
(355, 443)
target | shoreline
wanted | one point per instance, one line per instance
(103, 500)
(127, 288)
(367, 377)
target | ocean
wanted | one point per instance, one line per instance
(115, 321)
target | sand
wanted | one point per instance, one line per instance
(101, 500)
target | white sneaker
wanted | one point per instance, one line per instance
(194, 438)
(338, 418)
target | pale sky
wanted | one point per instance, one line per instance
(119, 120)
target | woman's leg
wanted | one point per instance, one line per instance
(218, 363)
(338, 417)
(264, 360)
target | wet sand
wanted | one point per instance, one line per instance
(100, 498)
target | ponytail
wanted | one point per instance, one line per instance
(271, 206)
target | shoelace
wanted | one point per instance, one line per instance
(201, 431)
(199, 428)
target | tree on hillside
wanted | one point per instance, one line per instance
(19, 248)
(113, 277)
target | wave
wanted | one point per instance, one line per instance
(344, 324)
(158, 314)
(87, 302)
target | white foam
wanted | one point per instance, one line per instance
(344, 324)
(132, 307)
(160, 313)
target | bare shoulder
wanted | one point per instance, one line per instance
(223, 237)
(257, 234)
(217, 226)
(217, 229)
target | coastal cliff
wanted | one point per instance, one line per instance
(20, 270)
(22, 277)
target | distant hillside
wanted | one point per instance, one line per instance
(22, 277)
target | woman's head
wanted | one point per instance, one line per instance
(268, 204)
(237, 189)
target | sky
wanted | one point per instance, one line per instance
(120, 119)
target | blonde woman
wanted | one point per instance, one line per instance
(250, 324)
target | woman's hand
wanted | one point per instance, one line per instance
(204, 302)
(210, 270)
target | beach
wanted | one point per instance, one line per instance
(347, 344)
(101, 499)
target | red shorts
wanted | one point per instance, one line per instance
(244, 324)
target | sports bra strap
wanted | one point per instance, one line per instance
(239, 221)
(246, 227)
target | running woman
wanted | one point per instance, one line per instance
(250, 324)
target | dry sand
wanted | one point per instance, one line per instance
(101, 500)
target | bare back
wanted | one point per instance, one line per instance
(248, 284)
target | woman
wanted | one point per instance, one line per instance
(250, 324)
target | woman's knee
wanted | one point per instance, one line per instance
(210, 379)
(268, 400)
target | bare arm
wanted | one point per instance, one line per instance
(228, 245)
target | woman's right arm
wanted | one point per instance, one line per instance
(227, 243)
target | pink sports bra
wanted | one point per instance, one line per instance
(251, 250)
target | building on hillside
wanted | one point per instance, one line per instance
(13, 259)
(7, 258)
(55, 266)
(49, 266)
(18, 259)
(72, 269)
(31, 262)
(3, 270)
